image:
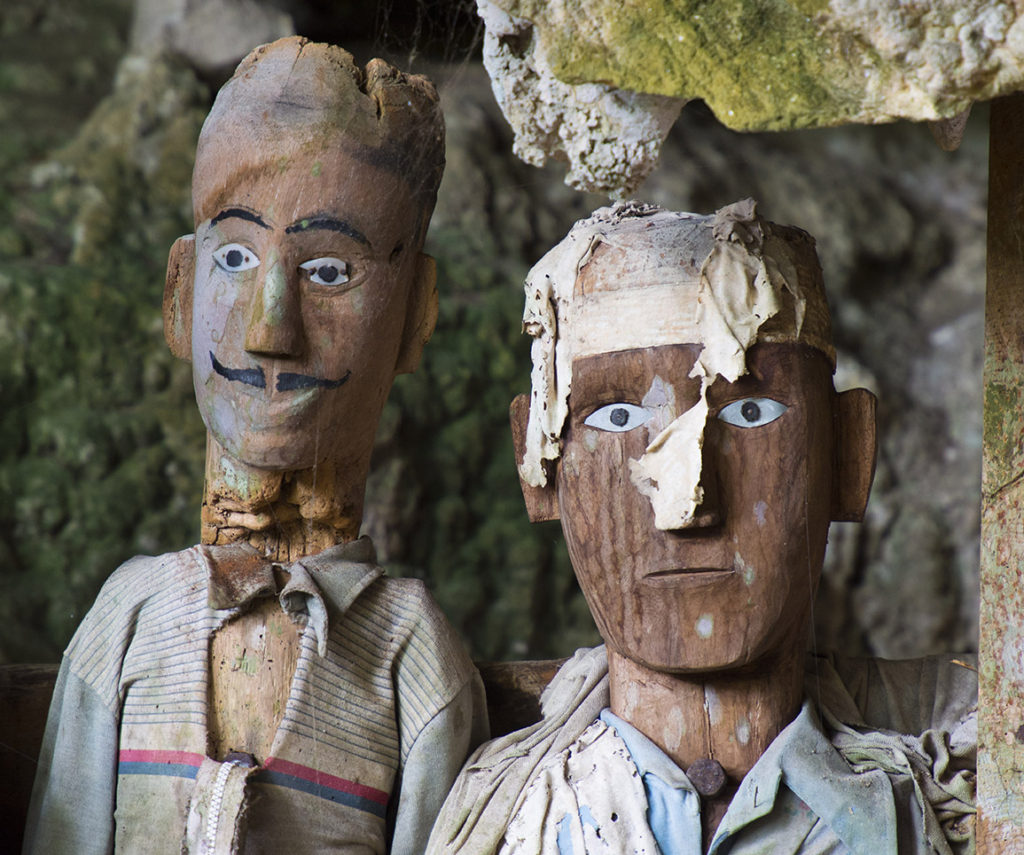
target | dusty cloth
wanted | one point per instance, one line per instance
(491, 786)
(722, 281)
(917, 791)
(383, 707)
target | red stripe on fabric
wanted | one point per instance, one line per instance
(138, 755)
(322, 779)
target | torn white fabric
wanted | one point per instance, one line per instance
(669, 471)
(492, 784)
(665, 278)
(589, 798)
(561, 324)
(736, 294)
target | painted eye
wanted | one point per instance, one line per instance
(617, 417)
(326, 271)
(234, 257)
(752, 412)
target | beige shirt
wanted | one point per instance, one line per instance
(383, 708)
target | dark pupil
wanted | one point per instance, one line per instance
(619, 416)
(328, 272)
(751, 411)
(234, 258)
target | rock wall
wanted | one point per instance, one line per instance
(573, 70)
(101, 451)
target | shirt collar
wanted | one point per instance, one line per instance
(646, 755)
(857, 806)
(237, 573)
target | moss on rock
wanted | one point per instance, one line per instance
(781, 64)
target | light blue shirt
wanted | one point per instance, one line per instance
(801, 796)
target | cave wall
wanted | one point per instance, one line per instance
(101, 447)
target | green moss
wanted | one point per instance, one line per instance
(759, 64)
(100, 444)
(1002, 437)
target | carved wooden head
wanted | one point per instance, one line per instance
(683, 579)
(303, 291)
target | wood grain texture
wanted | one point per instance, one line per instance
(713, 613)
(738, 582)
(177, 304)
(252, 663)
(856, 454)
(1001, 640)
(541, 502)
(301, 294)
(513, 691)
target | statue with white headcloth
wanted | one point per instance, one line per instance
(684, 427)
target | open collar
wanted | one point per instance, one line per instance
(857, 806)
(330, 581)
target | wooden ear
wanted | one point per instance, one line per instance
(541, 502)
(181, 269)
(856, 453)
(421, 315)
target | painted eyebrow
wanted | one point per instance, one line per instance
(330, 224)
(242, 214)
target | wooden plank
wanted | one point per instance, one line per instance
(1001, 677)
(25, 692)
(513, 691)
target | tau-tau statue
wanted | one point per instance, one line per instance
(270, 690)
(684, 427)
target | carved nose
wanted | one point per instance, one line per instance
(275, 315)
(707, 513)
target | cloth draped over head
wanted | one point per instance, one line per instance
(723, 281)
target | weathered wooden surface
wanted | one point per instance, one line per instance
(636, 576)
(513, 692)
(25, 692)
(1001, 677)
(303, 291)
(252, 665)
(856, 454)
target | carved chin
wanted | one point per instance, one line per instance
(256, 443)
(268, 450)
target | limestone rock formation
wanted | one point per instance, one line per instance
(773, 65)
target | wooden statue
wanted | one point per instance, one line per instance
(273, 667)
(684, 428)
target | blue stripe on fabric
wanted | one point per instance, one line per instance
(174, 770)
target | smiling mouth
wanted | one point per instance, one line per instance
(286, 380)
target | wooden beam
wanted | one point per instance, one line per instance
(1001, 720)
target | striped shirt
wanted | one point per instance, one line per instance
(381, 712)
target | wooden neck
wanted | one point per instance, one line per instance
(285, 515)
(730, 717)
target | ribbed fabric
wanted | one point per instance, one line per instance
(392, 667)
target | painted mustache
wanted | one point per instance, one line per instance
(286, 381)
